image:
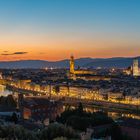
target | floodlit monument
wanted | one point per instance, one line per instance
(135, 67)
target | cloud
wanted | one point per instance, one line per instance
(15, 53)
(20, 52)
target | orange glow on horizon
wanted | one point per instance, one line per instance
(53, 49)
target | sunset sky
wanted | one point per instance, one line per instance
(55, 29)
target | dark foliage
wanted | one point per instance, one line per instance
(80, 120)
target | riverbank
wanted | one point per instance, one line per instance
(126, 109)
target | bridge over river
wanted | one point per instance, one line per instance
(4, 82)
(75, 100)
(113, 109)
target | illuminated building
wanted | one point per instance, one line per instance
(136, 67)
(1, 76)
(40, 109)
(74, 73)
(128, 71)
(84, 74)
(114, 96)
(79, 92)
(72, 65)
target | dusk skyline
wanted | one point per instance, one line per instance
(55, 29)
(70, 69)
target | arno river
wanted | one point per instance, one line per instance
(111, 113)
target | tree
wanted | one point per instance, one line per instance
(80, 108)
(56, 130)
(8, 101)
(11, 101)
(60, 138)
(14, 118)
(116, 132)
(16, 133)
(79, 119)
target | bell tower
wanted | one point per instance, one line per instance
(72, 64)
(135, 67)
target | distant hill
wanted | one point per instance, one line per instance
(111, 62)
(120, 62)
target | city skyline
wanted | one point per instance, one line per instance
(70, 69)
(53, 30)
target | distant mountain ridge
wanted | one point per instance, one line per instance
(118, 62)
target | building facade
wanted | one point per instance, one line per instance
(39, 109)
(136, 67)
(72, 65)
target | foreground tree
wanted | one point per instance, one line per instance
(58, 130)
(80, 120)
(16, 133)
(14, 118)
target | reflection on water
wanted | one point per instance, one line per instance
(4, 91)
(112, 114)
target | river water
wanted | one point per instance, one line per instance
(4, 91)
(113, 114)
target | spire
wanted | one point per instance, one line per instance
(72, 56)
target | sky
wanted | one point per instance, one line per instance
(54, 29)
